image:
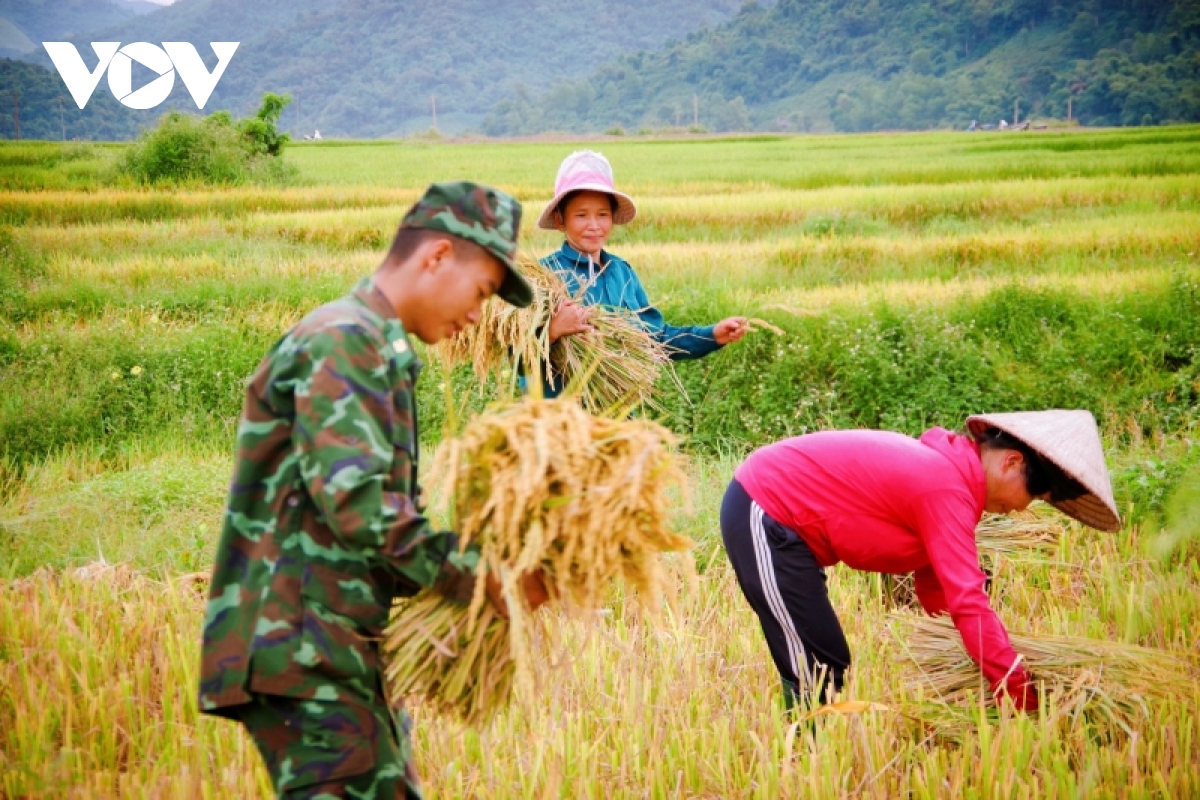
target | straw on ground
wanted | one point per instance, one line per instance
(1109, 686)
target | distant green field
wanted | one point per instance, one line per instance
(724, 164)
(917, 278)
(750, 164)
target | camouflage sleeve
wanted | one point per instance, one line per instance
(347, 410)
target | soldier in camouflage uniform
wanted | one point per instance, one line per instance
(323, 527)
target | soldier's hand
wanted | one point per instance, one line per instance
(533, 587)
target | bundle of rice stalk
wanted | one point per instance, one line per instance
(616, 365)
(537, 484)
(1108, 685)
(1023, 535)
(1026, 535)
(899, 591)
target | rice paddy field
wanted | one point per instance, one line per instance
(916, 278)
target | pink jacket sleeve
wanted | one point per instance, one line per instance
(954, 582)
(929, 591)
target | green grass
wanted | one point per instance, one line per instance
(806, 162)
(917, 278)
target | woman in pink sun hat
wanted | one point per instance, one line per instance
(585, 206)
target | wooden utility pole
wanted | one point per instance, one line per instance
(17, 114)
(61, 121)
(1016, 112)
(695, 111)
(1069, 99)
(433, 105)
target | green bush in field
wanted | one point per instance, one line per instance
(260, 132)
(212, 149)
(185, 148)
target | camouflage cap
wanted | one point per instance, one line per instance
(488, 217)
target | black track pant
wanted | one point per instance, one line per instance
(786, 588)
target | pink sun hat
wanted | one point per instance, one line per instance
(586, 170)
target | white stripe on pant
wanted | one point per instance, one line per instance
(770, 587)
(781, 579)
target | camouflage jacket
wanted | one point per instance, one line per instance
(323, 527)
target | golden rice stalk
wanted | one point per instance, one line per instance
(459, 669)
(899, 591)
(537, 484)
(614, 366)
(1108, 685)
(1022, 535)
(755, 324)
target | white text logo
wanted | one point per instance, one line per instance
(164, 61)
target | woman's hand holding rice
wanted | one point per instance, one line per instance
(731, 329)
(570, 319)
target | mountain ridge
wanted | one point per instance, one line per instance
(860, 65)
(369, 68)
(384, 68)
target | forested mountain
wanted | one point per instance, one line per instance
(46, 110)
(368, 68)
(25, 24)
(856, 65)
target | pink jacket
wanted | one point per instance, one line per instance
(885, 502)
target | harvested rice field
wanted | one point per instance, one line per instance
(907, 281)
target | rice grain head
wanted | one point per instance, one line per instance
(615, 366)
(536, 484)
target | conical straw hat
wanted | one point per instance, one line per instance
(1071, 440)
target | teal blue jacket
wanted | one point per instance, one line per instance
(617, 287)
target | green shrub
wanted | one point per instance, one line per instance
(212, 149)
(260, 131)
(185, 148)
(1180, 537)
